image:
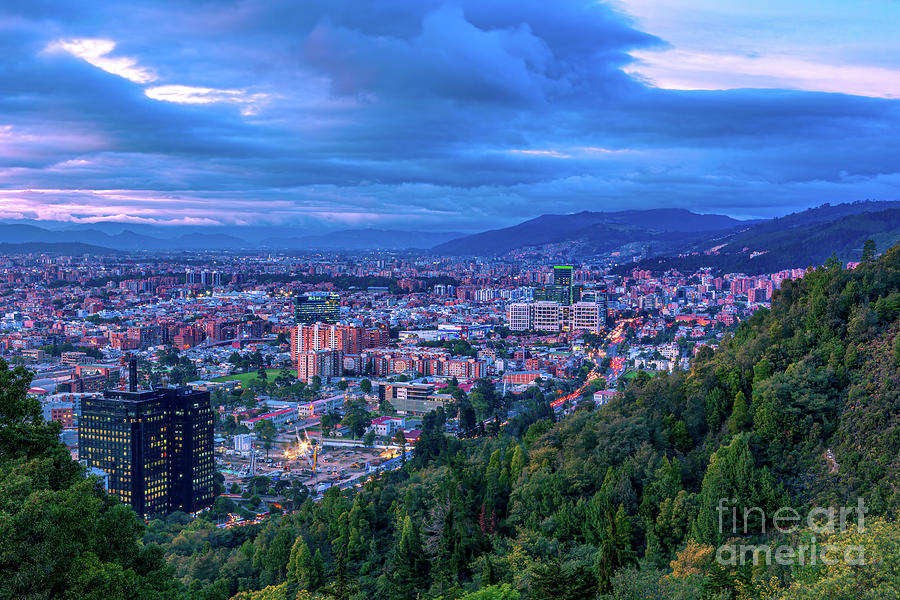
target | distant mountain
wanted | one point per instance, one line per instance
(364, 239)
(794, 241)
(602, 231)
(68, 248)
(207, 241)
(194, 238)
(125, 240)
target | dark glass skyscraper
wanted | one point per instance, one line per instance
(558, 291)
(155, 445)
(562, 276)
(318, 308)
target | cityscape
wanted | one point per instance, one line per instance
(435, 300)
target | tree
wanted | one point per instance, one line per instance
(369, 438)
(305, 568)
(868, 251)
(267, 433)
(494, 592)
(409, 569)
(315, 382)
(615, 546)
(248, 398)
(467, 421)
(357, 417)
(732, 474)
(328, 421)
(60, 533)
(365, 385)
(342, 385)
(740, 416)
(400, 440)
(554, 581)
(223, 506)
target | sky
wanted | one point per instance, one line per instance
(461, 115)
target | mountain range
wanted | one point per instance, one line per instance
(801, 239)
(198, 238)
(596, 231)
(363, 239)
(660, 238)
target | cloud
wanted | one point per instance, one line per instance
(427, 114)
(685, 70)
(186, 94)
(97, 52)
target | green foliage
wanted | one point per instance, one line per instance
(494, 592)
(868, 251)
(356, 417)
(60, 534)
(409, 571)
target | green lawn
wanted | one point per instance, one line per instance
(632, 374)
(246, 378)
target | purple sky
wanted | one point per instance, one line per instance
(459, 115)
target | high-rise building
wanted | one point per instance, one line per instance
(562, 276)
(156, 446)
(553, 292)
(324, 363)
(318, 307)
(519, 316)
(588, 316)
(349, 339)
(545, 316)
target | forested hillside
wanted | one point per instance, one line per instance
(796, 240)
(800, 408)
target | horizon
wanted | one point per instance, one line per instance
(442, 116)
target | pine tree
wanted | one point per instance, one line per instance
(408, 565)
(304, 568)
(615, 547)
(868, 251)
(740, 417)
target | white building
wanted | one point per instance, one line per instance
(518, 316)
(546, 316)
(587, 316)
(242, 442)
(320, 407)
(387, 426)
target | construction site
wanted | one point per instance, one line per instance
(315, 463)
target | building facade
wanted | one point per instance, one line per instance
(546, 316)
(318, 307)
(156, 446)
(588, 316)
(324, 363)
(518, 316)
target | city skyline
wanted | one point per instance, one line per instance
(436, 115)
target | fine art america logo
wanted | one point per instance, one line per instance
(819, 521)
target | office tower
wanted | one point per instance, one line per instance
(318, 307)
(519, 316)
(562, 276)
(588, 316)
(156, 446)
(552, 292)
(602, 301)
(546, 316)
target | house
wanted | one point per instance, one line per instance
(387, 426)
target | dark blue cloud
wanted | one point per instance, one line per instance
(427, 113)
